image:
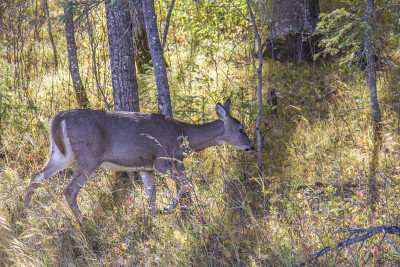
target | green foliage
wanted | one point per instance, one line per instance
(344, 32)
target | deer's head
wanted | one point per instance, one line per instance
(234, 133)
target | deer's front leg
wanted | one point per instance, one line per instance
(177, 170)
(148, 182)
(185, 201)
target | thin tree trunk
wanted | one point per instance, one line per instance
(376, 113)
(160, 70)
(369, 53)
(171, 7)
(1, 142)
(80, 92)
(46, 10)
(142, 50)
(101, 95)
(259, 75)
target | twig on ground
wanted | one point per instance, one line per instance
(369, 232)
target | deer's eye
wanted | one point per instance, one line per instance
(241, 130)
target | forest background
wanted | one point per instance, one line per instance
(301, 78)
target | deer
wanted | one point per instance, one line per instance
(131, 141)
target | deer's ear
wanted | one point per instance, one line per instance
(221, 111)
(227, 105)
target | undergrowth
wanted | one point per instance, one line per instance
(316, 158)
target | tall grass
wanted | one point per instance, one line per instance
(317, 153)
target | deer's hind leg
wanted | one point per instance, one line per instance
(56, 163)
(81, 176)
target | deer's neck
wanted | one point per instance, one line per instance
(201, 136)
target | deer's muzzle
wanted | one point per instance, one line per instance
(249, 149)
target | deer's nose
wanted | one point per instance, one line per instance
(252, 148)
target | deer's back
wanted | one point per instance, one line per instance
(128, 138)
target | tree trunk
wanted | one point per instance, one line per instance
(369, 54)
(80, 92)
(160, 70)
(292, 24)
(376, 113)
(50, 32)
(123, 74)
(259, 75)
(142, 50)
(171, 7)
(122, 56)
(46, 11)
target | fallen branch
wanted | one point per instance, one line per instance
(361, 238)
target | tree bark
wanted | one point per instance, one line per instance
(160, 70)
(292, 24)
(142, 50)
(80, 92)
(123, 74)
(376, 113)
(122, 56)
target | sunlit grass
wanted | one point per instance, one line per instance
(316, 168)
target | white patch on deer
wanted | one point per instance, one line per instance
(113, 166)
(38, 177)
(57, 157)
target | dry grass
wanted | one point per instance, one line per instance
(317, 154)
